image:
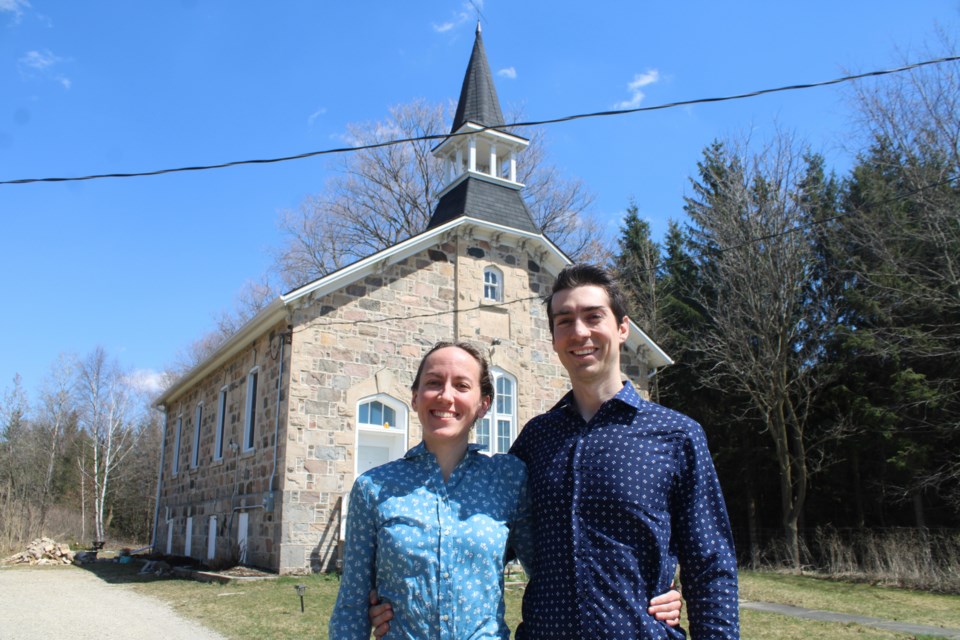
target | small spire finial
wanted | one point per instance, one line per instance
(478, 26)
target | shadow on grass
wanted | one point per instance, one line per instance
(114, 572)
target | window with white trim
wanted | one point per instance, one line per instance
(250, 424)
(175, 463)
(497, 430)
(197, 422)
(221, 421)
(492, 284)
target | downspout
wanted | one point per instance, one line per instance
(276, 423)
(163, 451)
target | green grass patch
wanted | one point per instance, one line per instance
(271, 608)
(889, 603)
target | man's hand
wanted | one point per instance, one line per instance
(381, 614)
(665, 607)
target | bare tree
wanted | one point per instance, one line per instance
(901, 251)
(56, 409)
(253, 296)
(756, 259)
(106, 410)
(387, 194)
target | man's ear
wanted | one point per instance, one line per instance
(623, 329)
(413, 401)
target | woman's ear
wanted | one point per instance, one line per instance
(484, 407)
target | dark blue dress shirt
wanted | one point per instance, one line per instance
(617, 502)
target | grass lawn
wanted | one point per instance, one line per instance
(271, 608)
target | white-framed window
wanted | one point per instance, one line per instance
(381, 431)
(493, 284)
(250, 423)
(175, 462)
(197, 421)
(221, 422)
(497, 430)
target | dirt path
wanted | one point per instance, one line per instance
(74, 604)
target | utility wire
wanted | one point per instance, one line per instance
(660, 263)
(507, 127)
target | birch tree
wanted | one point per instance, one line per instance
(106, 410)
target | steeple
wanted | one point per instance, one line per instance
(478, 95)
(481, 162)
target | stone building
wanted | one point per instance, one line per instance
(264, 439)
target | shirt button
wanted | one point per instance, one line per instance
(445, 617)
(446, 576)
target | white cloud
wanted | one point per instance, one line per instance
(509, 72)
(316, 114)
(147, 381)
(38, 60)
(635, 88)
(42, 64)
(467, 13)
(15, 7)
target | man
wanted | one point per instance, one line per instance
(621, 490)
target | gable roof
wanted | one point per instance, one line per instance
(550, 257)
(479, 103)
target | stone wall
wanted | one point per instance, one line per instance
(369, 337)
(237, 482)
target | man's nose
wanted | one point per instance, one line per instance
(580, 328)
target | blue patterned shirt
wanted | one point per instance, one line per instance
(433, 549)
(616, 503)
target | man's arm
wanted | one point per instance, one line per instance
(708, 564)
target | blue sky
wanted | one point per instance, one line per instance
(142, 265)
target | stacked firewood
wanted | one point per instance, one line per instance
(43, 551)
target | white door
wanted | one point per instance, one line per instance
(212, 539)
(242, 523)
(188, 543)
(370, 456)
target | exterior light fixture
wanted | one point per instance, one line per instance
(301, 588)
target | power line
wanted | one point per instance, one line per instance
(534, 123)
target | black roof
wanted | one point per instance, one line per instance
(479, 103)
(484, 200)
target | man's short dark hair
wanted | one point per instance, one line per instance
(579, 275)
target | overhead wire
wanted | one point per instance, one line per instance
(505, 127)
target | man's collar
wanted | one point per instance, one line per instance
(627, 395)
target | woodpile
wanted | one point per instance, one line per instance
(43, 551)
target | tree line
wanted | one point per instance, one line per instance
(814, 320)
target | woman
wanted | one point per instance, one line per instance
(429, 531)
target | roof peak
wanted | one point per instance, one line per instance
(478, 103)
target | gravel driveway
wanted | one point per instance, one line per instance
(74, 604)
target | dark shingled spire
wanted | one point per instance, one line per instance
(479, 103)
(481, 198)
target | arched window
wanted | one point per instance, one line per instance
(492, 284)
(498, 428)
